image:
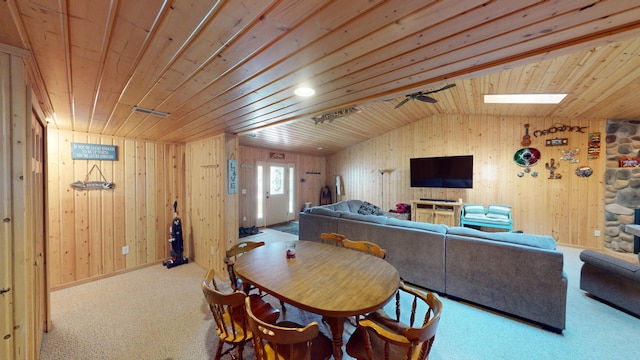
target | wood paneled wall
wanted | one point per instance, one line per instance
(22, 317)
(87, 229)
(310, 168)
(212, 219)
(569, 209)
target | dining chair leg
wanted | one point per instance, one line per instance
(219, 350)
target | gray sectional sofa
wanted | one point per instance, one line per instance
(611, 279)
(518, 274)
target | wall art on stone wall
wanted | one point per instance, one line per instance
(629, 162)
(594, 145)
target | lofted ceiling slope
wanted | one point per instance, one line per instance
(231, 66)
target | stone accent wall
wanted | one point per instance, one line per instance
(622, 185)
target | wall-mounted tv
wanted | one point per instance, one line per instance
(442, 172)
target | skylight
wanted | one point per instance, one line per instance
(523, 98)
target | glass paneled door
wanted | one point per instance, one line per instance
(276, 204)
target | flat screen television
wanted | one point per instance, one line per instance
(442, 172)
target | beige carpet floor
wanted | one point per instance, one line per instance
(159, 313)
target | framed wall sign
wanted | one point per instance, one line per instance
(557, 142)
(80, 151)
(232, 173)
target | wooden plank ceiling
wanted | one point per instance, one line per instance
(231, 66)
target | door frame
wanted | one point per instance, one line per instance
(291, 190)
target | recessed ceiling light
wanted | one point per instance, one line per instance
(304, 91)
(319, 148)
(523, 98)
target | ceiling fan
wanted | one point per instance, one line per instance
(422, 96)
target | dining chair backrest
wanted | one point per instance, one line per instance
(288, 340)
(332, 239)
(230, 259)
(403, 335)
(229, 314)
(242, 247)
(365, 246)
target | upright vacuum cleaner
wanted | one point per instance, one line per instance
(176, 241)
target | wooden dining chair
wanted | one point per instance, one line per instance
(332, 239)
(401, 336)
(365, 246)
(230, 259)
(288, 340)
(229, 312)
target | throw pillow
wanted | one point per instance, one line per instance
(498, 212)
(368, 209)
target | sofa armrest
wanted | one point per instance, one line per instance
(611, 263)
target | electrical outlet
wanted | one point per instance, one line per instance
(244, 218)
(125, 250)
(596, 232)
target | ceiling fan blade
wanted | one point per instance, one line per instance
(402, 102)
(426, 98)
(442, 88)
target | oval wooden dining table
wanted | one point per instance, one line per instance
(330, 281)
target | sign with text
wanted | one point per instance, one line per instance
(233, 176)
(80, 151)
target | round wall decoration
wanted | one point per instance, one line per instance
(584, 171)
(527, 156)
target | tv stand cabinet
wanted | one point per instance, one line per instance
(436, 212)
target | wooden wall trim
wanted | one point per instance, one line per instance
(6, 203)
(15, 51)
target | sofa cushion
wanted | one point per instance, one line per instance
(367, 218)
(538, 241)
(368, 209)
(341, 206)
(323, 210)
(487, 220)
(437, 228)
(354, 205)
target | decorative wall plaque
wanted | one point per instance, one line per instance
(594, 145)
(232, 173)
(557, 142)
(80, 151)
(102, 184)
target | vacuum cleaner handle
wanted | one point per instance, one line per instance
(175, 208)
